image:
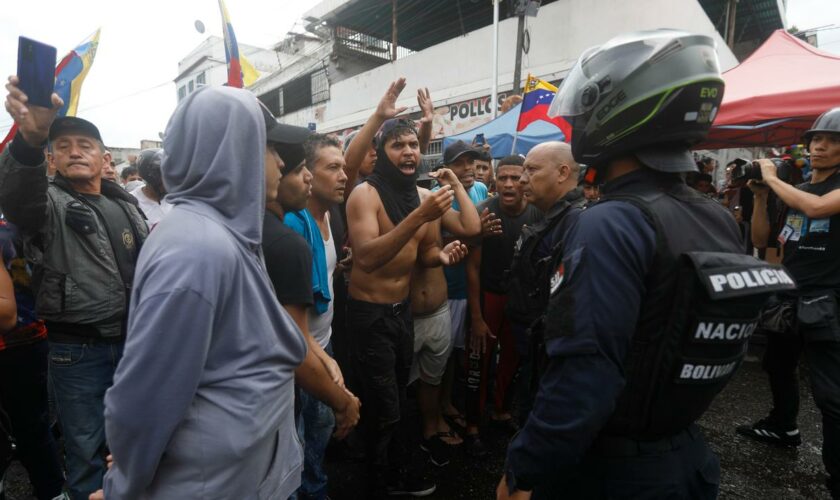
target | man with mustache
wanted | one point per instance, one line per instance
(84, 237)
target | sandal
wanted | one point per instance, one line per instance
(457, 422)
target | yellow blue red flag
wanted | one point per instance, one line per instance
(536, 99)
(240, 71)
(71, 72)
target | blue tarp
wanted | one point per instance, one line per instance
(499, 134)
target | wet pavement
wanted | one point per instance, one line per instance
(750, 470)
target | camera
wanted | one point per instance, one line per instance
(745, 170)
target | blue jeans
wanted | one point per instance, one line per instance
(315, 426)
(81, 373)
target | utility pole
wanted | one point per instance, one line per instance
(494, 97)
(732, 5)
(394, 30)
(520, 42)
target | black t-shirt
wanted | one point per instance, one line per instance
(497, 251)
(288, 260)
(812, 246)
(120, 232)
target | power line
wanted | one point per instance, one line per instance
(8, 124)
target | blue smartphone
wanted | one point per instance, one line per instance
(479, 139)
(36, 71)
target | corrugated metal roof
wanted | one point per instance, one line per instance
(420, 23)
(424, 23)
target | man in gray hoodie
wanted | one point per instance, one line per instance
(202, 403)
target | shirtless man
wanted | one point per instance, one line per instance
(390, 231)
(433, 325)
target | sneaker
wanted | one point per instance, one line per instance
(411, 486)
(474, 446)
(768, 432)
(439, 452)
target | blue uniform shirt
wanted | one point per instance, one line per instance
(607, 253)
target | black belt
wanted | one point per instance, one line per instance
(616, 446)
(390, 309)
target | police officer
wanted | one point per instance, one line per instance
(811, 239)
(653, 301)
(549, 180)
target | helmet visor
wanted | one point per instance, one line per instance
(568, 101)
(599, 67)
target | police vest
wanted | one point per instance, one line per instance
(702, 302)
(529, 277)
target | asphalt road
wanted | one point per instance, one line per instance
(750, 470)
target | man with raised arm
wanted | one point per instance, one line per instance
(389, 232)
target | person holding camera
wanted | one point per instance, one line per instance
(810, 238)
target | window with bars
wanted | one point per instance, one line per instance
(200, 79)
(320, 84)
(190, 87)
(182, 92)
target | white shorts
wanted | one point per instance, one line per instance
(432, 337)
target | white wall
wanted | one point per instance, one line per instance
(214, 66)
(461, 68)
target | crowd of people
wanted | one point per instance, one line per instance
(207, 321)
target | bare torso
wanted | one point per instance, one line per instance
(388, 284)
(428, 289)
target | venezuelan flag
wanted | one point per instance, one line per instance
(69, 76)
(71, 72)
(241, 72)
(535, 102)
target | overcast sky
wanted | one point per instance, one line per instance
(129, 91)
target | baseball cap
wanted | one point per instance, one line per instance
(287, 139)
(458, 149)
(73, 125)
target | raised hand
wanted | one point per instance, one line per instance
(445, 177)
(387, 107)
(33, 121)
(453, 253)
(424, 100)
(436, 204)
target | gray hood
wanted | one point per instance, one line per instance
(214, 159)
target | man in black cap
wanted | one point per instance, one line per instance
(83, 235)
(460, 158)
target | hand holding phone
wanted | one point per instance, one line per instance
(26, 102)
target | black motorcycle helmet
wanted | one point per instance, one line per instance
(650, 93)
(148, 165)
(827, 122)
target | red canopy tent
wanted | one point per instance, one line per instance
(775, 94)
